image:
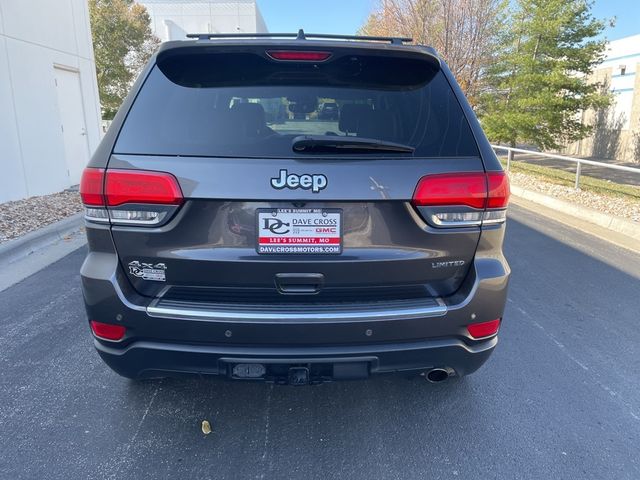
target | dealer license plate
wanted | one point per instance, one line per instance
(300, 230)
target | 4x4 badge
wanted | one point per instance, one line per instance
(148, 271)
(312, 182)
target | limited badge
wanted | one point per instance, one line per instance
(449, 264)
(148, 271)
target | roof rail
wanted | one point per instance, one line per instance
(301, 35)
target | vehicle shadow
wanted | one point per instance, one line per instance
(548, 382)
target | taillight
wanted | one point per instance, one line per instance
(484, 329)
(134, 186)
(92, 186)
(129, 196)
(92, 195)
(462, 199)
(299, 55)
(468, 189)
(498, 195)
(108, 331)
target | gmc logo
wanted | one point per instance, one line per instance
(315, 183)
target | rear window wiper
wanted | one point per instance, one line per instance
(338, 144)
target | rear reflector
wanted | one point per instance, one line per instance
(298, 55)
(91, 186)
(484, 329)
(137, 186)
(108, 331)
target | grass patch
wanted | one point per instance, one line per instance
(587, 183)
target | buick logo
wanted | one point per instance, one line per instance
(315, 183)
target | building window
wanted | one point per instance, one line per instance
(623, 69)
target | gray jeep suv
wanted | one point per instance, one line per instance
(235, 230)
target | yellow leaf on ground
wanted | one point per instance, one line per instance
(206, 427)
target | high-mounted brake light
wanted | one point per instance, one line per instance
(484, 329)
(154, 194)
(299, 55)
(463, 199)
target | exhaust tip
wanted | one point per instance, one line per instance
(437, 375)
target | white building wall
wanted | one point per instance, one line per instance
(623, 57)
(35, 37)
(173, 19)
(620, 69)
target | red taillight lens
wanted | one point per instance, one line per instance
(498, 190)
(484, 329)
(468, 189)
(298, 55)
(463, 199)
(160, 192)
(91, 186)
(137, 186)
(108, 331)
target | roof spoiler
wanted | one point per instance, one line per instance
(301, 35)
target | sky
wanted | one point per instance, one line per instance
(346, 16)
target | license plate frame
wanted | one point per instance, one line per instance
(292, 242)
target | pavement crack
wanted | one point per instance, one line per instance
(125, 457)
(144, 416)
(267, 425)
(612, 393)
(558, 344)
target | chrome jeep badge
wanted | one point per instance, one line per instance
(313, 182)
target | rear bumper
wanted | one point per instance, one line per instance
(144, 359)
(165, 342)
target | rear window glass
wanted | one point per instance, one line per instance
(246, 105)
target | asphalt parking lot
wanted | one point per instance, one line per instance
(560, 398)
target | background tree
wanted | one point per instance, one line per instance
(464, 32)
(539, 82)
(122, 43)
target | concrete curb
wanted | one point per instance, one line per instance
(610, 222)
(33, 241)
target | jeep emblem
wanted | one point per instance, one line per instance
(315, 183)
